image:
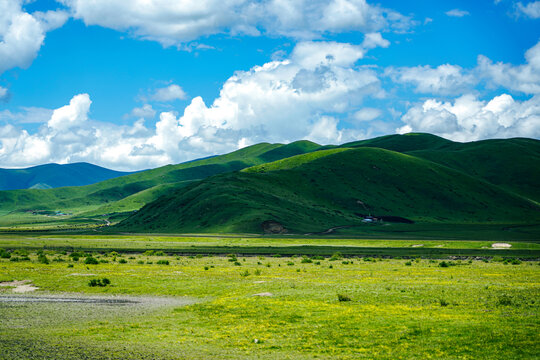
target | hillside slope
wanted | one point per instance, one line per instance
(137, 189)
(510, 163)
(330, 188)
(54, 175)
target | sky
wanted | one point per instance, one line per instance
(132, 85)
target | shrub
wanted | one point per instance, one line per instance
(345, 262)
(343, 297)
(318, 257)
(162, 262)
(14, 259)
(290, 263)
(237, 263)
(148, 253)
(4, 254)
(368, 259)
(99, 282)
(103, 261)
(198, 256)
(336, 256)
(122, 261)
(244, 273)
(408, 263)
(258, 272)
(206, 268)
(43, 259)
(276, 255)
(140, 262)
(159, 253)
(317, 263)
(443, 302)
(443, 264)
(504, 300)
(306, 260)
(70, 265)
(91, 261)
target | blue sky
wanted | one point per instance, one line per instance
(133, 85)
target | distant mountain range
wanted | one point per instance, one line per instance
(50, 176)
(303, 187)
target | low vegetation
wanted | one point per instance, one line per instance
(265, 309)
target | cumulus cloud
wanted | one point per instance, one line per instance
(145, 112)
(169, 93)
(450, 79)
(443, 79)
(468, 118)
(457, 13)
(174, 23)
(71, 115)
(22, 34)
(523, 78)
(531, 10)
(302, 96)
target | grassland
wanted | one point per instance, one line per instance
(306, 187)
(331, 188)
(410, 308)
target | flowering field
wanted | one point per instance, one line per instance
(269, 307)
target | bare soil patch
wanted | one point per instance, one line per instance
(501, 246)
(20, 286)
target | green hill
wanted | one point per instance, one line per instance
(509, 163)
(54, 175)
(128, 193)
(331, 188)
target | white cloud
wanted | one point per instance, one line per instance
(523, 78)
(373, 40)
(468, 118)
(457, 13)
(4, 94)
(71, 115)
(367, 114)
(178, 22)
(169, 93)
(145, 112)
(531, 10)
(22, 34)
(299, 97)
(444, 79)
(28, 115)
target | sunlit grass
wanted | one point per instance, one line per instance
(471, 309)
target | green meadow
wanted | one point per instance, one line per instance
(197, 299)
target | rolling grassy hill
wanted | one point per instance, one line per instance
(54, 175)
(131, 192)
(309, 188)
(332, 188)
(510, 163)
